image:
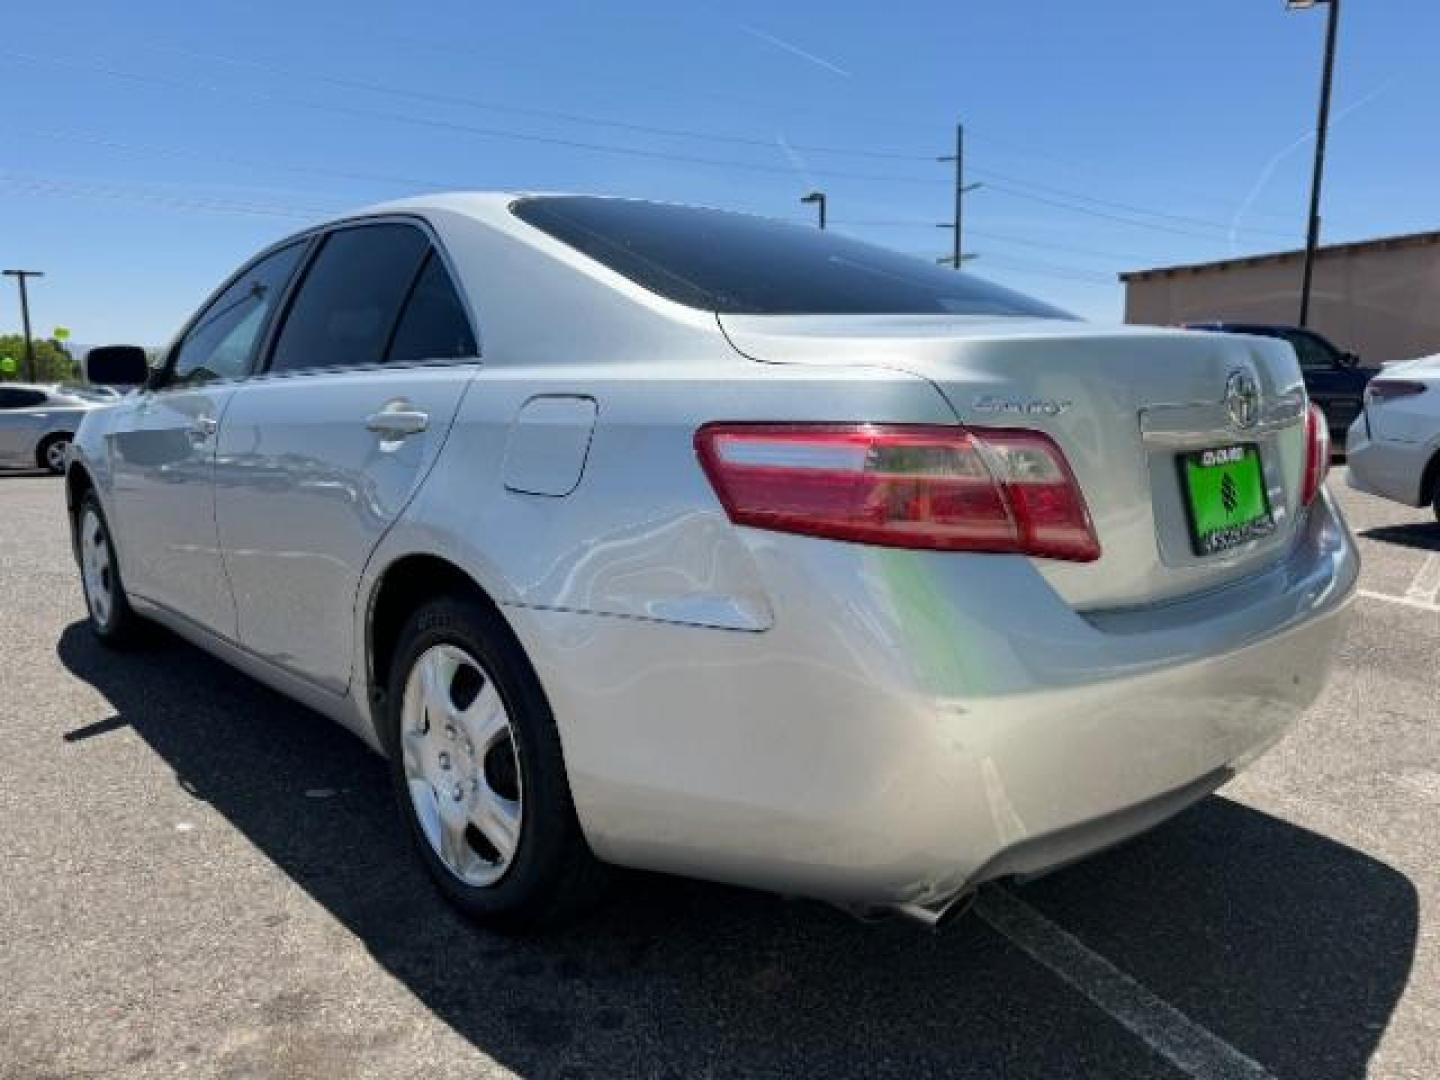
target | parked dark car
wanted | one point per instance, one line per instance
(1334, 377)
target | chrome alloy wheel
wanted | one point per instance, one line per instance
(461, 764)
(96, 570)
(55, 454)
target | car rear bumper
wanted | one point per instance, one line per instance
(1392, 470)
(916, 723)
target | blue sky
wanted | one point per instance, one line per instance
(146, 149)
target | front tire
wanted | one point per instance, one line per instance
(478, 773)
(111, 617)
(52, 454)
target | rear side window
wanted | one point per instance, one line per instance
(737, 263)
(222, 341)
(12, 398)
(433, 325)
(350, 298)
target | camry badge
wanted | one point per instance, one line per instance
(1031, 407)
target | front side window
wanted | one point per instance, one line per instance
(350, 298)
(732, 263)
(222, 342)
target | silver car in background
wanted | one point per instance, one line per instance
(1394, 445)
(672, 538)
(37, 423)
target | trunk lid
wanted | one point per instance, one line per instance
(1123, 403)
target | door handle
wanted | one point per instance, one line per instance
(397, 420)
(202, 427)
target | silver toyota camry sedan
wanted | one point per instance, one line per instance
(655, 536)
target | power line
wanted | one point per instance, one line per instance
(1049, 270)
(1131, 207)
(453, 126)
(470, 54)
(90, 189)
(1071, 248)
(605, 148)
(409, 183)
(43, 185)
(1104, 215)
(1073, 166)
(533, 111)
(47, 186)
(669, 132)
(916, 223)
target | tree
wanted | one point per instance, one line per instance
(52, 363)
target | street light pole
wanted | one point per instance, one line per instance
(1312, 240)
(818, 198)
(20, 276)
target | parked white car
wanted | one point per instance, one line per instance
(691, 541)
(1394, 444)
(37, 423)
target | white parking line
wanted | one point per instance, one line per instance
(1192, 1049)
(1403, 601)
(1426, 583)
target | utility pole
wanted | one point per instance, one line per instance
(1312, 239)
(961, 190)
(20, 276)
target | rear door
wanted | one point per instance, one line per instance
(319, 454)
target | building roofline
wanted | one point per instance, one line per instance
(1383, 243)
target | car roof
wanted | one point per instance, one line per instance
(489, 207)
(1252, 328)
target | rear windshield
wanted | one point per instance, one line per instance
(732, 263)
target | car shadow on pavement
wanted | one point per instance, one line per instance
(1425, 536)
(1292, 948)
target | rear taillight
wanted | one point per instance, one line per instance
(912, 486)
(1317, 454)
(1385, 389)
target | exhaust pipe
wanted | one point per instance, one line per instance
(936, 916)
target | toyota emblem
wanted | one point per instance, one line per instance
(1242, 399)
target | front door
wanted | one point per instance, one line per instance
(320, 454)
(162, 450)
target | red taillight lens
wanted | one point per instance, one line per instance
(1317, 454)
(949, 488)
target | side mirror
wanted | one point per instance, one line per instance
(1350, 359)
(117, 365)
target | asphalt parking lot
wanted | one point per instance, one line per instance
(201, 878)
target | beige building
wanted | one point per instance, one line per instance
(1378, 298)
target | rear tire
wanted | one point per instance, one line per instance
(111, 617)
(52, 452)
(478, 773)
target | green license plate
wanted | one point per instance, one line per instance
(1225, 495)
